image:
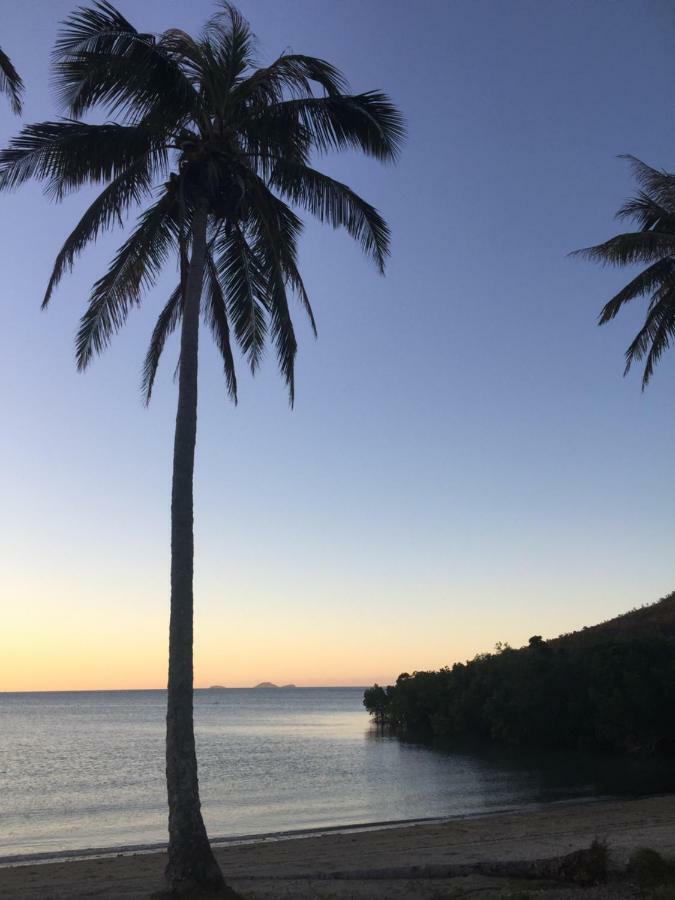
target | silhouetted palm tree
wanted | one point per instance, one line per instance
(215, 147)
(653, 211)
(10, 82)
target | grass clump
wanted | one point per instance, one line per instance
(649, 868)
(586, 867)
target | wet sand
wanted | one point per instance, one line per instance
(306, 867)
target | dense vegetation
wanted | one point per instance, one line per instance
(609, 687)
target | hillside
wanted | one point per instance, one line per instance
(609, 687)
(653, 619)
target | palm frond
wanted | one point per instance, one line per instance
(216, 76)
(278, 118)
(368, 122)
(108, 209)
(276, 229)
(231, 42)
(647, 281)
(133, 270)
(215, 315)
(100, 59)
(333, 202)
(269, 213)
(293, 278)
(648, 213)
(99, 28)
(187, 53)
(264, 143)
(656, 184)
(69, 154)
(655, 336)
(632, 247)
(291, 75)
(166, 324)
(246, 290)
(281, 327)
(10, 82)
(297, 69)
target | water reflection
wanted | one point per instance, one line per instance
(512, 776)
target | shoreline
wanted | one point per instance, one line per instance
(46, 857)
(367, 862)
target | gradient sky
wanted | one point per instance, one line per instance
(464, 464)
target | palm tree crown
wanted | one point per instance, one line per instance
(653, 211)
(192, 120)
(10, 82)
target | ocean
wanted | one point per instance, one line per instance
(86, 769)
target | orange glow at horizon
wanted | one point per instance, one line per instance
(58, 657)
(72, 643)
(59, 633)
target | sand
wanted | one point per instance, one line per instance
(283, 868)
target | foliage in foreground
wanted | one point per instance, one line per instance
(651, 244)
(610, 687)
(10, 82)
(649, 868)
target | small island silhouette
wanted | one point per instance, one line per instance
(263, 684)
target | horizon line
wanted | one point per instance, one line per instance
(253, 687)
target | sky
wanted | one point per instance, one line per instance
(464, 463)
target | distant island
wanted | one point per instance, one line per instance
(263, 685)
(609, 687)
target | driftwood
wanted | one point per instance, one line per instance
(583, 867)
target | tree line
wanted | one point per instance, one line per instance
(609, 688)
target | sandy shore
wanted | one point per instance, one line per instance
(275, 869)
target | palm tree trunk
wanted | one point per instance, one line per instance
(191, 862)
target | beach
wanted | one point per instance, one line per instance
(380, 862)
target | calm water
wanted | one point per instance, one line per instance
(84, 770)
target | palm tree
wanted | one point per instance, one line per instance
(10, 82)
(214, 150)
(653, 244)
